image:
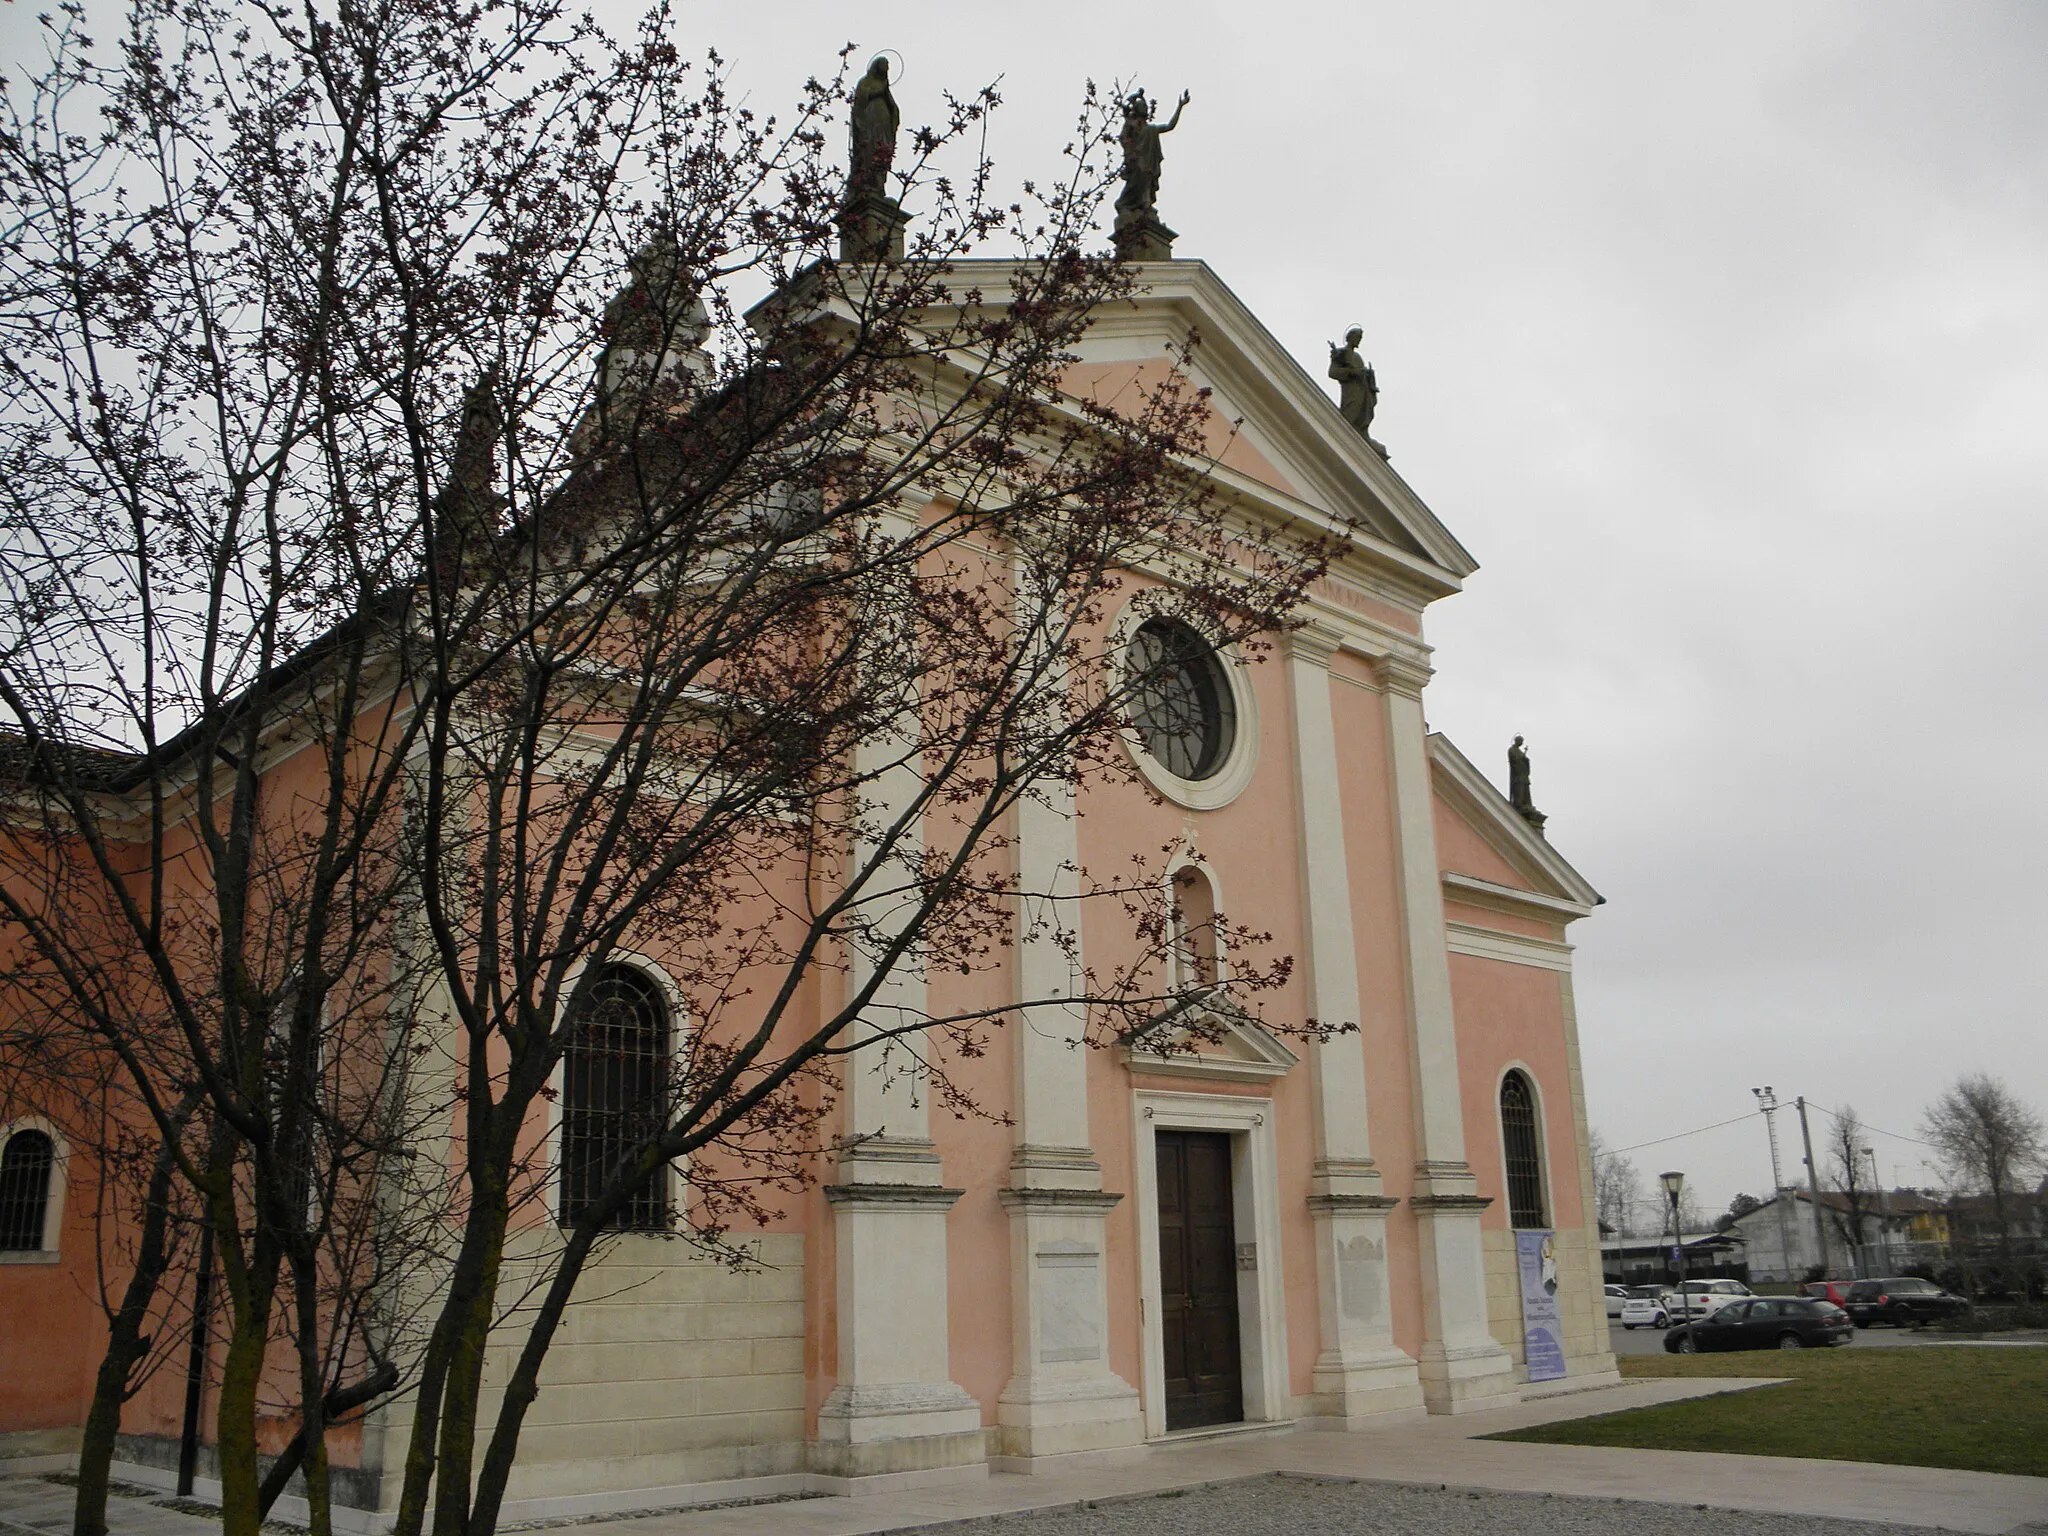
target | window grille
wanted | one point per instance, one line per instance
(25, 1190)
(1194, 922)
(615, 1095)
(1181, 704)
(1524, 1151)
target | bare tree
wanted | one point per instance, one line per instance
(1991, 1143)
(463, 524)
(1846, 1167)
(1617, 1187)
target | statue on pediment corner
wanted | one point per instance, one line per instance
(1358, 387)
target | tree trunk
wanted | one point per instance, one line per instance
(460, 1400)
(312, 1436)
(126, 1348)
(523, 1389)
(234, 1440)
(459, 1332)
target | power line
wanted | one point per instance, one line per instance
(1876, 1129)
(1681, 1135)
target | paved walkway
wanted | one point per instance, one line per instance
(1429, 1452)
(1440, 1451)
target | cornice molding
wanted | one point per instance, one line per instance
(1512, 948)
(1493, 897)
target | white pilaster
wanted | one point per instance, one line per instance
(895, 1408)
(1463, 1366)
(1062, 1399)
(1359, 1372)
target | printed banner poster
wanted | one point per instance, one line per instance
(1542, 1335)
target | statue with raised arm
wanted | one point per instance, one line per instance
(874, 125)
(1140, 236)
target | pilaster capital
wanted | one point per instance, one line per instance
(1314, 643)
(1405, 675)
(1448, 1205)
(890, 1197)
(1352, 1205)
(1085, 1201)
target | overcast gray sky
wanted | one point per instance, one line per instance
(1720, 336)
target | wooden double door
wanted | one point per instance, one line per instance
(1198, 1280)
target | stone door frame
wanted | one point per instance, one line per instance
(1255, 1199)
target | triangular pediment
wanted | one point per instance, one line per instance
(1521, 870)
(1208, 1036)
(1276, 434)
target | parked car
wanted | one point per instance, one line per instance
(1764, 1322)
(1903, 1301)
(1616, 1295)
(1836, 1291)
(1645, 1308)
(1702, 1298)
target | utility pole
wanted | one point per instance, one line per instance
(1820, 1230)
(1767, 1101)
(1884, 1210)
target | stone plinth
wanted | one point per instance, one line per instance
(1143, 238)
(871, 229)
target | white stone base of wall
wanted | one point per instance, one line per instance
(31, 1452)
(1050, 1419)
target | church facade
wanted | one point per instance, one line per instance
(1138, 1244)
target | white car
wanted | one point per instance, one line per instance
(1645, 1308)
(1616, 1295)
(1703, 1298)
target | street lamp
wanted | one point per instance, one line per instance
(1674, 1185)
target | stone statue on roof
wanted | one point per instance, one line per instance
(1518, 786)
(874, 124)
(871, 221)
(1358, 387)
(1140, 236)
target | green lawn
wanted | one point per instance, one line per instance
(1980, 1410)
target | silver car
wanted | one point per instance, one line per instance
(1645, 1308)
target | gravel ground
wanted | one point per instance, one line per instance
(1286, 1504)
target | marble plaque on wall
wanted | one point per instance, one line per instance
(1069, 1299)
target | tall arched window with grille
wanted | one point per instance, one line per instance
(1523, 1146)
(1198, 956)
(25, 1167)
(615, 1082)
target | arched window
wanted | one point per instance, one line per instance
(25, 1167)
(615, 1095)
(1524, 1150)
(1197, 953)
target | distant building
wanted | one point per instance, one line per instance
(1897, 1228)
(1649, 1261)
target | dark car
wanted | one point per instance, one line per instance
(1904, 1302)
(1769, 1322)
